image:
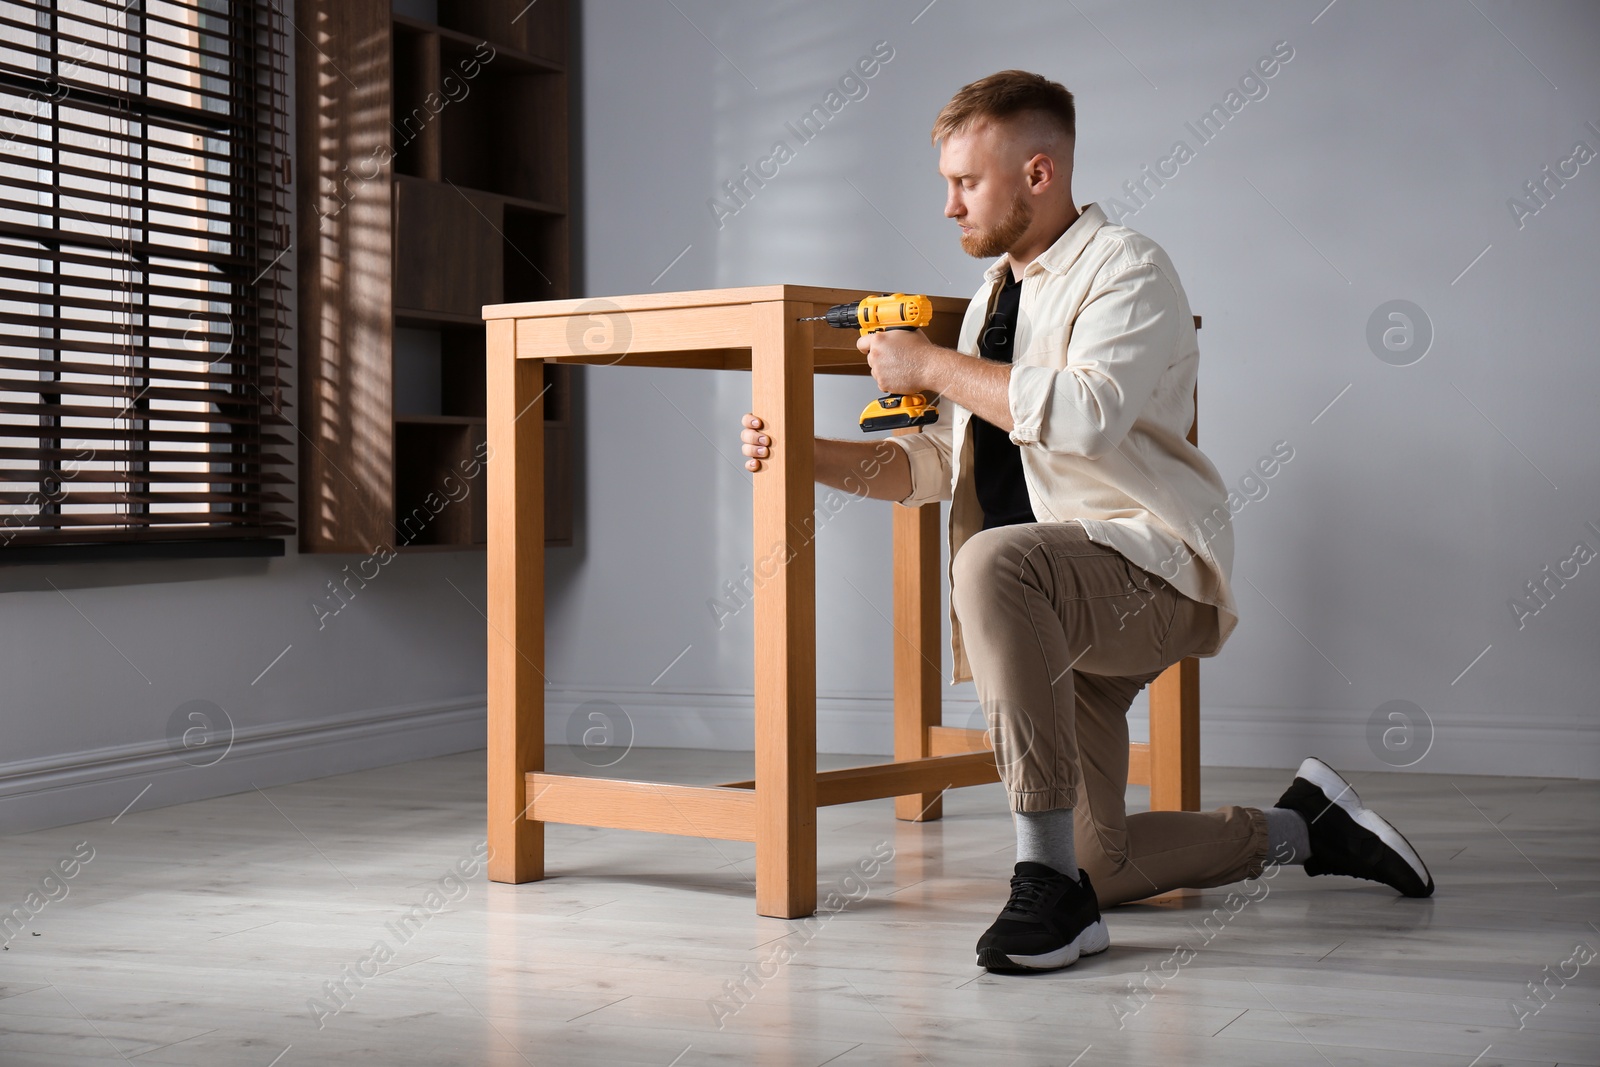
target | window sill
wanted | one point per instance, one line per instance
(135, 550)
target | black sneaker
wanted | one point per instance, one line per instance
(1349, 839)
(1049, 922)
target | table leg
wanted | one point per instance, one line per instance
(917, 651)
(1175, 738)
(785, 615)
(515, 465)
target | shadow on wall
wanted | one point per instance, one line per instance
(125, 572)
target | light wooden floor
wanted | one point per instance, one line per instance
(197, 934)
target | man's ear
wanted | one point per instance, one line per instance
(1040, 170)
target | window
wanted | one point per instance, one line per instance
(144, 232)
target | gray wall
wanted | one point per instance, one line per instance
(1377, 166)
(1380, 564)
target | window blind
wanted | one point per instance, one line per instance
(144, 232)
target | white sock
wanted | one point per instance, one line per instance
(1046, 837)
(1288, 837)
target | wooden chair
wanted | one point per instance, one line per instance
(1169, 763)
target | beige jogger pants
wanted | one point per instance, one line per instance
(1061, 634)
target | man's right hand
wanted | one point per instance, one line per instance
(757, 443)
(864, 468)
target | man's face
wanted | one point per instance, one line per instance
(989, 195)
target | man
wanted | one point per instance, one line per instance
(1089, 540)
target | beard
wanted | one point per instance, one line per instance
(984, 244)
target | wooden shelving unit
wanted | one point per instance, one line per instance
(434, 174)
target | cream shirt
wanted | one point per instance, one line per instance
(1102, 397)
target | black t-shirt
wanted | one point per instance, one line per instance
(997, 463)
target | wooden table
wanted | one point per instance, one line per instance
(753, 329)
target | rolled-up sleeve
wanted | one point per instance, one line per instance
(929, 453)
(1123, 340)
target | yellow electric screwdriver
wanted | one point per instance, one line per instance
(894, 312)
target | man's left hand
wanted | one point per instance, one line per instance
(902, 361)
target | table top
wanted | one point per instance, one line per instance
(709, 329)
(696, 298)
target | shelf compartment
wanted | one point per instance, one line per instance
(447, 249)
(438, 501)
(439, 484)
(534, 256)
(501, 137)
(439, 375)
(535, 33)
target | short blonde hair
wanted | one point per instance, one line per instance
(1005, 95)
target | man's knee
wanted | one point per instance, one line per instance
(985, 558)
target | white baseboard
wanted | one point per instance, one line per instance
(1523, 747)
(99, 783)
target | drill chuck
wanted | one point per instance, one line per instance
(843, 316)
(840, 316)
